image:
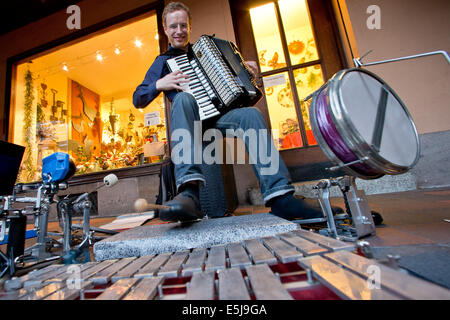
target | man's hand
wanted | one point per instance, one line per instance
(172, 81)
(253, 67)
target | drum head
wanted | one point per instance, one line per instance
(357, 116)
(361, 96)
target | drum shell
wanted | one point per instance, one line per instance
(338, 118)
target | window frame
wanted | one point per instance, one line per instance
(331, 59)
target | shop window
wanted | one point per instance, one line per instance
(290, 67)
(78, 99)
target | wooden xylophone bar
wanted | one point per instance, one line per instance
(291, 266)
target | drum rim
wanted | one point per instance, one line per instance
(354, 141)
(324, 145)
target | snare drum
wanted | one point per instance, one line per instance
(357, 118)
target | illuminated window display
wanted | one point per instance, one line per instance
(78, 99)
(290, 67)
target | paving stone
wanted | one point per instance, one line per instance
(174, 237)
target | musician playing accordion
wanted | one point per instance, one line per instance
(274, 179)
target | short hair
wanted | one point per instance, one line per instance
(176, 6)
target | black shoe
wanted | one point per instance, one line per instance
(315, 203)
(290, 207)
(184, 207)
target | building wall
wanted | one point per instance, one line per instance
(215, 18)
(54, 27)
(415, 27)
(408, 28)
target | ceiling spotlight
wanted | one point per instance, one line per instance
(65, 67)
(138, 43)
(157, 37)
(99, 57)
(117, 51)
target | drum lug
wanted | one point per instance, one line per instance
(347, 164)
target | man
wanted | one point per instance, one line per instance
(276, 188)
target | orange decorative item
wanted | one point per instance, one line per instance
(292, 140)
(262, 60)
(85, 112)
(285, 98)
(274, 61)
(310, 137)
(296, 47)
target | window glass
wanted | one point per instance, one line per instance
(299, 42)
(78, 99)
(307, 81)
(267, 37)
(283, 117)
(297, 27)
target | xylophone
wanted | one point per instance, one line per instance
(298, 265)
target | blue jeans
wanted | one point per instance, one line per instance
(245, 123)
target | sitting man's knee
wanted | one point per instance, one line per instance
(183, 96)
(184, 101)
(253, 113)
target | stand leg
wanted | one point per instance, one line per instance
(357, 207)
(324, 201)
(4, 263)
(16, 236)
(66, 216)
(87, 236)
(40, 251)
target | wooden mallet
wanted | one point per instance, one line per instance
(141, 205)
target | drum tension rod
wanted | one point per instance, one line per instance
(316, 92)
(348, 164)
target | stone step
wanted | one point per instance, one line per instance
(385, 184)
(174, 237)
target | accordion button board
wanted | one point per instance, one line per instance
(218, 77)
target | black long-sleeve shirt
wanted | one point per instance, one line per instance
(146, 92)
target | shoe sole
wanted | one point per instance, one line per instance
(170, 216)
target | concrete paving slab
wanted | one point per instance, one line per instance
(174, 237)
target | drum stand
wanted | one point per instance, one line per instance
(39, 252)
(65, 207)
(357, 207)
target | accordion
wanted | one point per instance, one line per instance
(218, 77)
